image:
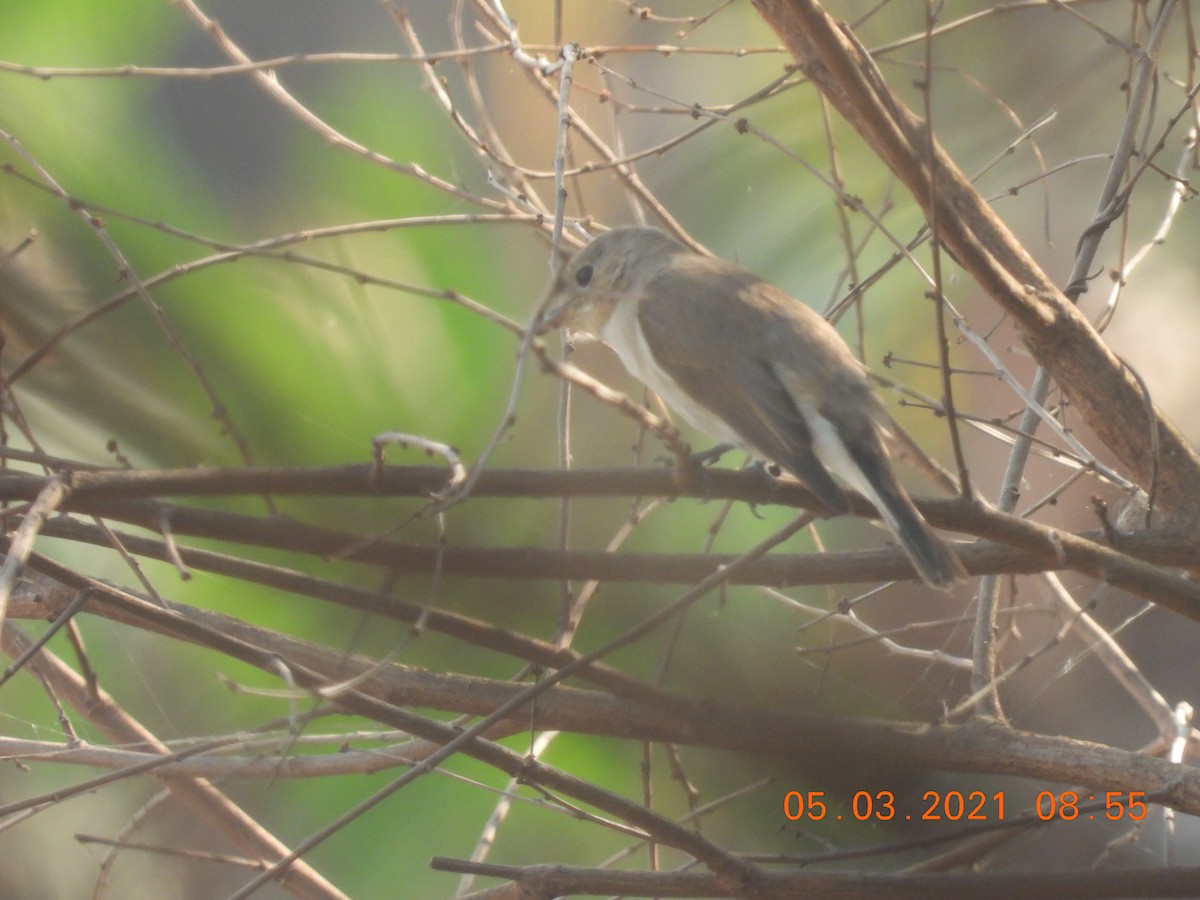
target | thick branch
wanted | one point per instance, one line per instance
(977, 747)
(1098, 384)
(556, 880)
(1022, 546)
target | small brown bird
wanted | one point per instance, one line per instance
(748, 365)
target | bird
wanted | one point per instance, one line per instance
(747, 364)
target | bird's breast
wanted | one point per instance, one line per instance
(623, 332)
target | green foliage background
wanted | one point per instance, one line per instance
(311, 364)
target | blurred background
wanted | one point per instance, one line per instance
(312, 344)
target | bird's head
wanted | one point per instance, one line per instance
(614, 268)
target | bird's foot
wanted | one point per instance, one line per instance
(709, 456)
(769, 476)
(691, 470)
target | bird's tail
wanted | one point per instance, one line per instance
(933, 560)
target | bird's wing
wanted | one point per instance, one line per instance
(698, 337)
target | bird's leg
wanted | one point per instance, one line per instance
(769, 473)
(764, 470)
(710, 456)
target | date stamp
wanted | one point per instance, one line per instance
(969, 806)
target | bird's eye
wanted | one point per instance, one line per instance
(583, 277)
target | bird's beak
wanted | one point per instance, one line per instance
(555, 317)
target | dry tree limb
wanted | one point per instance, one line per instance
(1098, 384)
